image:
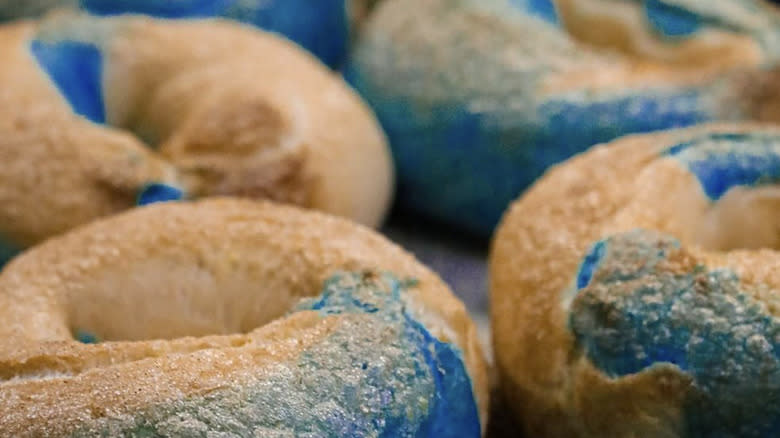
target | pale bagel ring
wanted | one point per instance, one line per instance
(635, 289)
(223, 110)
(385, 350)
(687, 33)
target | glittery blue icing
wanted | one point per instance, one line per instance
(589, 264)
(465, 167)
(452, 409)
(321, 26)
(670, 20)
(158, 192)
(77, 70)
(721, 161)
(544, 9)
(639, 312)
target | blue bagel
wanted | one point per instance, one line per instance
(321, 26)
(479, 99)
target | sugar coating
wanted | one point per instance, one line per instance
(380, 373)
(649, 302)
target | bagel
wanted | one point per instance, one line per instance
(320, 26)
(226, 110)
(682, 32)
(478, 105)
(208, 319)
(634, 289)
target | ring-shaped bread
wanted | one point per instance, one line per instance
(103, 113)
(236, 317)
(635, 289)
(479, 97)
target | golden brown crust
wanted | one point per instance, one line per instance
(120, 276)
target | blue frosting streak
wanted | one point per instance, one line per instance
(77, 70)
(671, 21)
(158, 192)
(700, 321)
(453, 411)
(747, 160)
(590, 263)
(464, 168)
(321, 26)
(544, 9)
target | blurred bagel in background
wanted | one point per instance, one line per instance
(105, 113)
(478, 98)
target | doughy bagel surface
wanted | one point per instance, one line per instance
(634, 289)
(228, 110)
(226, 270)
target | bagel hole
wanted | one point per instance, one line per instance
(176, 297)
(743, 218)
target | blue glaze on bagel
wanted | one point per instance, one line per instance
(158, 192)
(721, 161)
(321, 26)
(544, 9)
(464, 167)
(76, 69)
(348, 383)
(670, 20)
(642, 312)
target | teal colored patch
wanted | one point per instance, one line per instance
(670, 20)
(8, 251)
(86, 337)
(640, 311)
(377, 373)
(158, 192)
(722, 161)
(544, 9)
(77, 70)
